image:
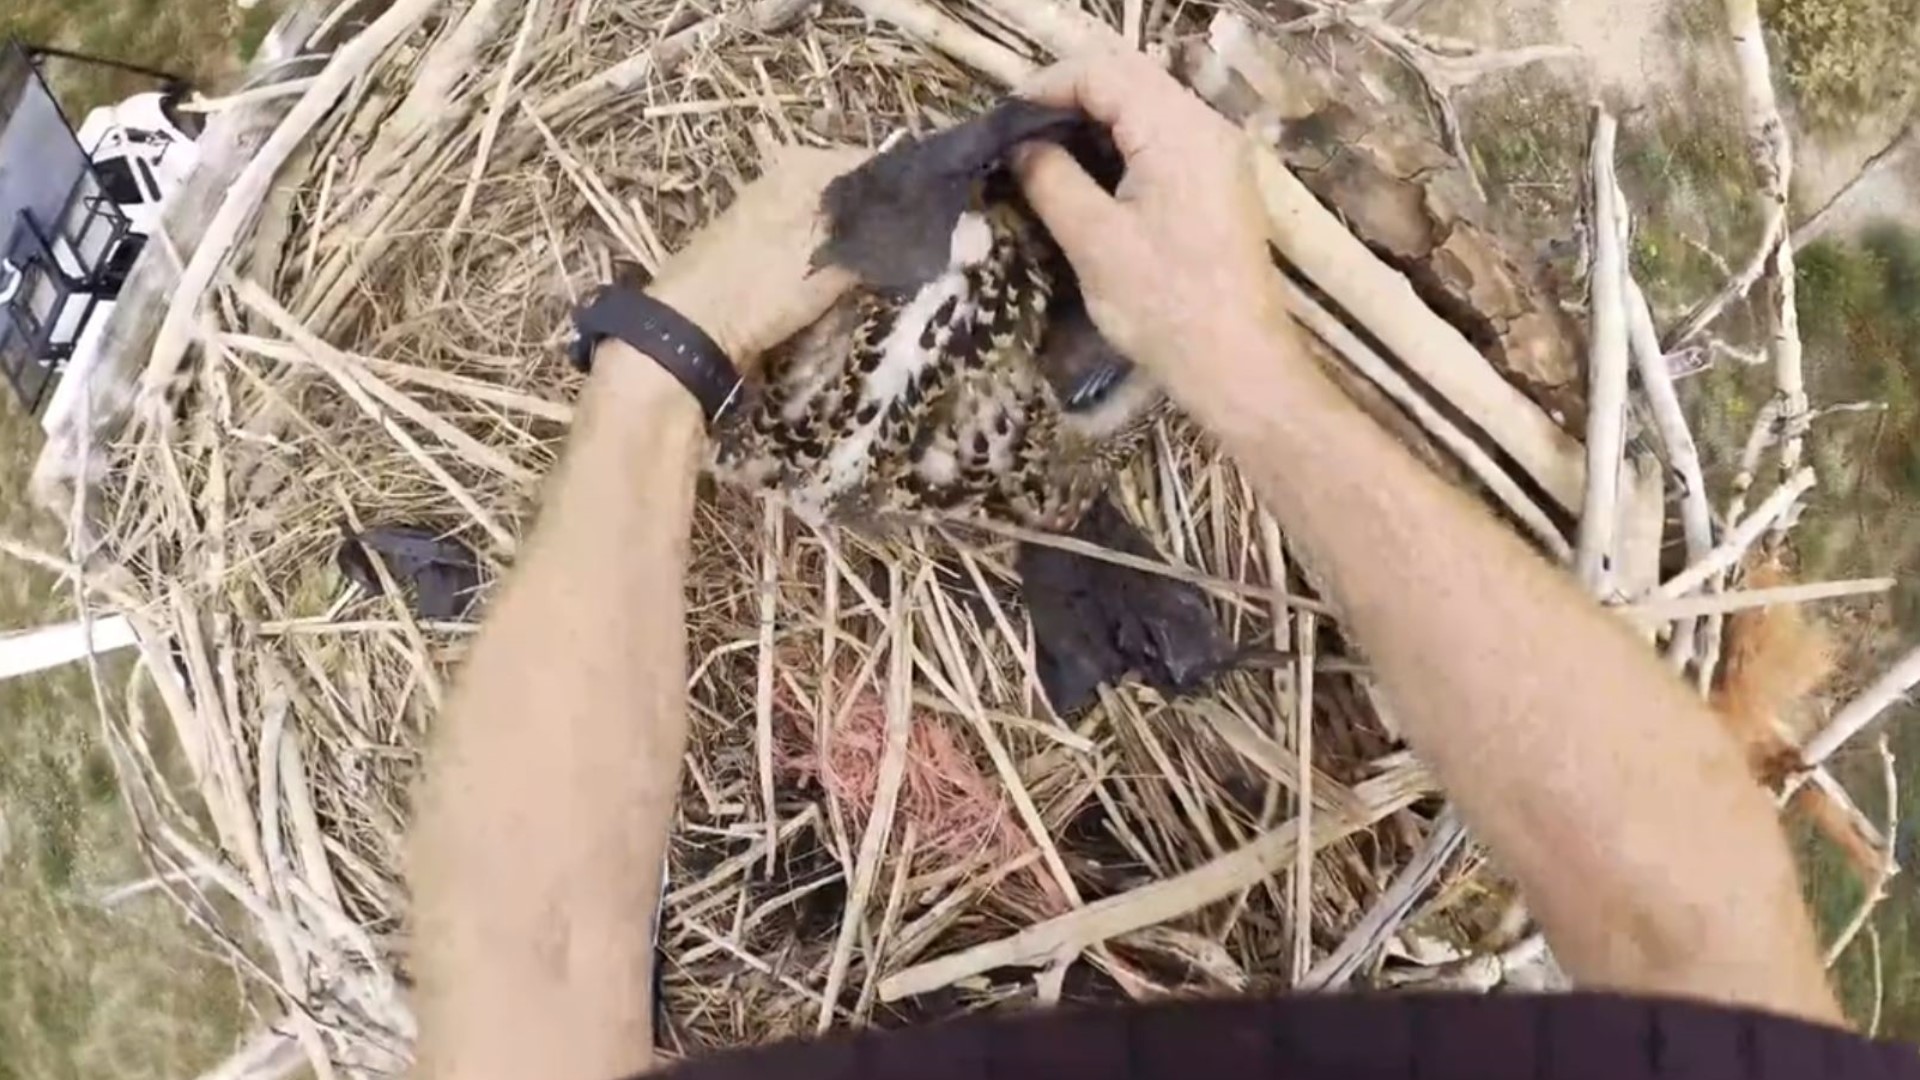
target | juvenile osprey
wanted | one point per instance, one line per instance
(964, 373)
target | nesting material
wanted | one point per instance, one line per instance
(882, 820)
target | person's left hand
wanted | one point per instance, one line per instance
(747, 278)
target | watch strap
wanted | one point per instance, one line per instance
(625, 313)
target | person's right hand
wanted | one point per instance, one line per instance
(1177, 259)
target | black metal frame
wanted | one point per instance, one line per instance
(37, 53)
(29, 357)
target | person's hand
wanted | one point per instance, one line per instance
(1178, 256)
(746, 278)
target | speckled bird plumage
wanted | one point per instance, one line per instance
(947, 397)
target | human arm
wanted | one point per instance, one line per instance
(551, 784)
(1611, 794)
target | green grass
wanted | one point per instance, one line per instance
(1846, 57)
(86, 991)
(203, 40)
(1688, 181)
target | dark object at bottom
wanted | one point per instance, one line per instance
(445, 574)
(1095, 622)
(1428, 1036)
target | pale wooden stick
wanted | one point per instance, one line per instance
(1739, 538)
(1217, 880)
(889, 924)
(1265, 753)
(1309, 236)
(249, 190)
(1683, 455)
(771, 545)
(1655, 612)
(893, 764)
(433, 103)
(1077, 546)
(1308, 628)
(247, 98)
(496, 112)
(1596, 554)
(1888, 690)
(951, 36)
(948, 647)
(1770, 144)
(431, 378)
(308, 346)
(635, 70)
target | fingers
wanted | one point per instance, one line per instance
(1078, 213)
(1106, 84)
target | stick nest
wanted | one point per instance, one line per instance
(388, 349)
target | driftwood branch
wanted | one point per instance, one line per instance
(1683, 454)
(951, 36)
(1770, 145)
(1596, 555)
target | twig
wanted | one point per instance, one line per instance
(1308, 628)
(634, 71)
(1657, 611)
(1810, 230)
(951, 36)
(1889, 868)
(1391, 908)
(1120, 558)
(496, 112)
(1888, 690)
(1770, 145)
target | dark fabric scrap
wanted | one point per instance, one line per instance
(1095, 622)
(891, 220)
(444, 574)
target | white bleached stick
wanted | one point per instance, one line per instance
(1741, 537)
(1596, 552)
(1888, 690)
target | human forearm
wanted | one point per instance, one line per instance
(1607, 790)
(543, 824)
